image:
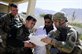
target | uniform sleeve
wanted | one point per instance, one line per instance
(20, 39)
(68, 45)
(2, 20)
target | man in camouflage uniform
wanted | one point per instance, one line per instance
(22, 36)
(63, 40)
(17, 44)
(8, 24)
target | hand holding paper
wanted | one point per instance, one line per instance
(37, 40)
(28, 44)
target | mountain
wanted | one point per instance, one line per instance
(39, 11)
(73, 14)
(70, 12)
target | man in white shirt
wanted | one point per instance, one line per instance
(44, 30)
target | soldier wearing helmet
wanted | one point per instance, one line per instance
(63, 40)
(59, 19)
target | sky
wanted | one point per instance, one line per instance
(55, 5)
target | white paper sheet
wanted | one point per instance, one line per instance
(37, 40)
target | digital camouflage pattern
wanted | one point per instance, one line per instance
(64, 40)
(60, 16)
(6, 23)
(69, 45)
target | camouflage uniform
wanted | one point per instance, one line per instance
(64, 39)
(2, 42)
(8, 24)
(17, 47)
(22, 35)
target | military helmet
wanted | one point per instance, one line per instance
(59, 16)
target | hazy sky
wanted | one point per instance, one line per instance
(55, 5)
(58, 4)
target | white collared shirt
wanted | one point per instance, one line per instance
(41, 49)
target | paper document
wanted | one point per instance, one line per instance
(37, 40)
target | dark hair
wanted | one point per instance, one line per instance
(48, 16)
(13, 5)
(31, 18)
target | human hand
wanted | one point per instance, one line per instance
(29, 45)
(47, 40)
